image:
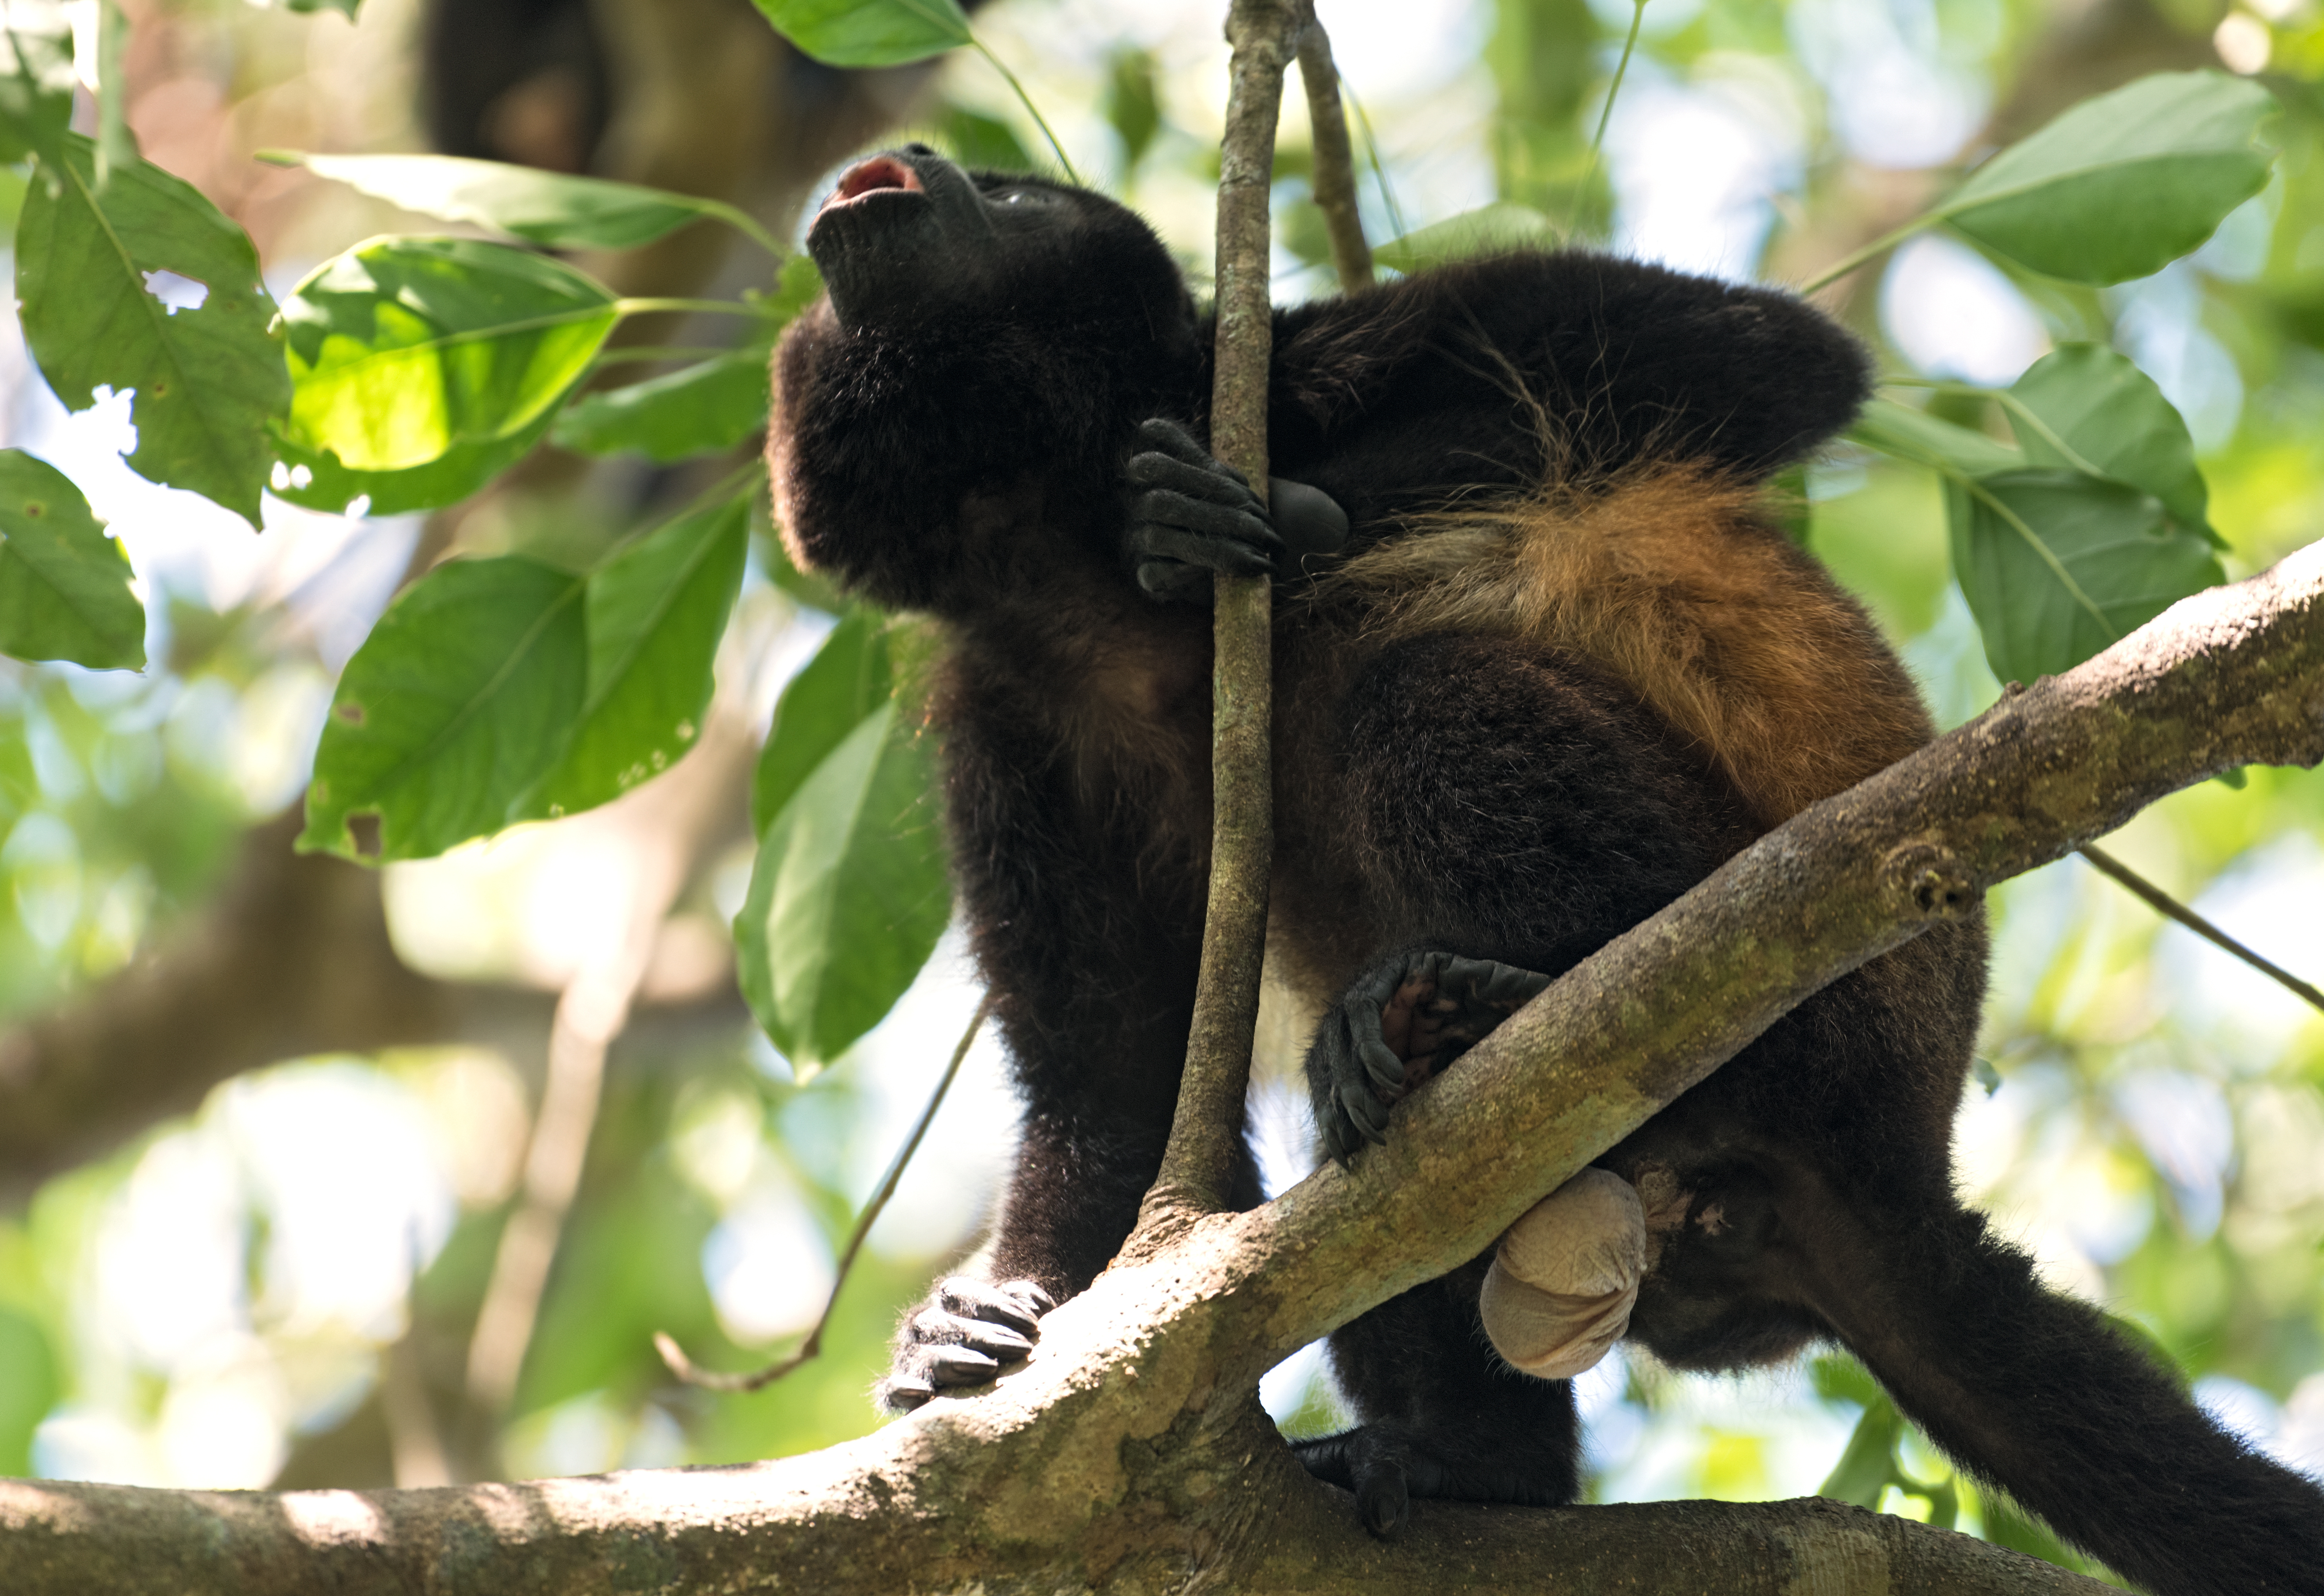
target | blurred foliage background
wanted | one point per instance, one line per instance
(264, 1119)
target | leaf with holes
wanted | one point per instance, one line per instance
(849, 894)
(2093, 411)
(544, 207)
(208, 379)
(318, 482)
(404, 349)
(847, 680)
(64, 584)
(656, 612)
(2123, 184)
(868, 33)
(2057, 566)
(465, 692)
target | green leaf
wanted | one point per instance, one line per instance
(1132, 105)
(849, 894)
(36, 81)
(2123, 184)
(28, 1388)
(461, 697)
(701, 410)
(345, 8)
(1868, 1462)
(2057, 566)
(1500, 225)
(984, 142)
(403, 349)
(2094, 411)
(64, 584)
(318, 482)
(1907, 434)
(655, 616)
(868, 33)
(546, 207)
(847, 680)
(209, 378)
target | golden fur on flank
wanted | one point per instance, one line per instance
(1669, 581)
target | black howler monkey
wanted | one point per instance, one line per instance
(1548, 669)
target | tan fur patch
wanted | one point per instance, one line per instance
(1670, 583)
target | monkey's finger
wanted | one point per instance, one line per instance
(1364, 1111)
(1159, 510)
(1150, 541)
(1175, 579)
(975, 1299)
(1175, 439)
(1030, 1295)
(902, 1393)
(1210, 480)
(960, 1366)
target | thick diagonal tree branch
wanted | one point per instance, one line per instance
(1128, 1453)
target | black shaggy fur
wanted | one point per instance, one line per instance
(951, 437)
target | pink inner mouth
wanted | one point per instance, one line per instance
(881, 172)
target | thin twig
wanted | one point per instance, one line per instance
(1606, 116)
(1335, 162)
(1206, 1134)
(711, 1380)
(2170, 907)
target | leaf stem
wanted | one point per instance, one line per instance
(1849, 262)
(1606, 116)
(711, 1380)
(1025, 100)
(643, 307)
(743, 222)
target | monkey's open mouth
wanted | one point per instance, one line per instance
(880, 174)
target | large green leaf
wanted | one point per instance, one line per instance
(2123, 184)
(1502, 224)
(64, 584)
(319, 482)
(847, 680)
(403, 349)
(28, 1388)
(208, 379)
(546, 207)
(703, 408)
(868, 33)
(1925, 439)
(2091, 409)
(849, 894)
(2057, 566)
(655, 616)
(36, 80)
(463, 694)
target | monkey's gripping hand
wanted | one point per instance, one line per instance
(1194, 515)
(1401, 1022)
(961, 1336)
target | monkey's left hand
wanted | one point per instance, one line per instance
(1401, 1022)
(1195, 515)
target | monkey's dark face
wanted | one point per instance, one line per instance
(908, 237)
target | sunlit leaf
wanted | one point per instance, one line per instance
(462, 695)
(868, 33)
(64, 584)
(318, 482)
(36, 80)
(28, 1388)
(703, 408)
(2094, 411)
(546, 207)
(1868, 1462)
(1503, 225)
(981, 141)
(2123, 184)
(847, 680)
(1907, 434)
(849, 894)
(655, 616)
(2057, 566)
(403, 349)
(1132, 105)
(208, 379)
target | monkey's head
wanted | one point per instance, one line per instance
(960, 405)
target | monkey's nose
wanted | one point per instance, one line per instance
(917, 149)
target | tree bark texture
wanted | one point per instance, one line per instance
(1129, 1453)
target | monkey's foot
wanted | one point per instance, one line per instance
(1387, 1465)
(1195, 515)
(963, 1336)
(1403, 1021)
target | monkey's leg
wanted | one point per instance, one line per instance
(2036, 1393)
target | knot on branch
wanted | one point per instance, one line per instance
(1933, 882)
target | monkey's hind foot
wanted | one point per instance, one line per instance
(1401, 1022)
(1388, 1465)
(962, 1336)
